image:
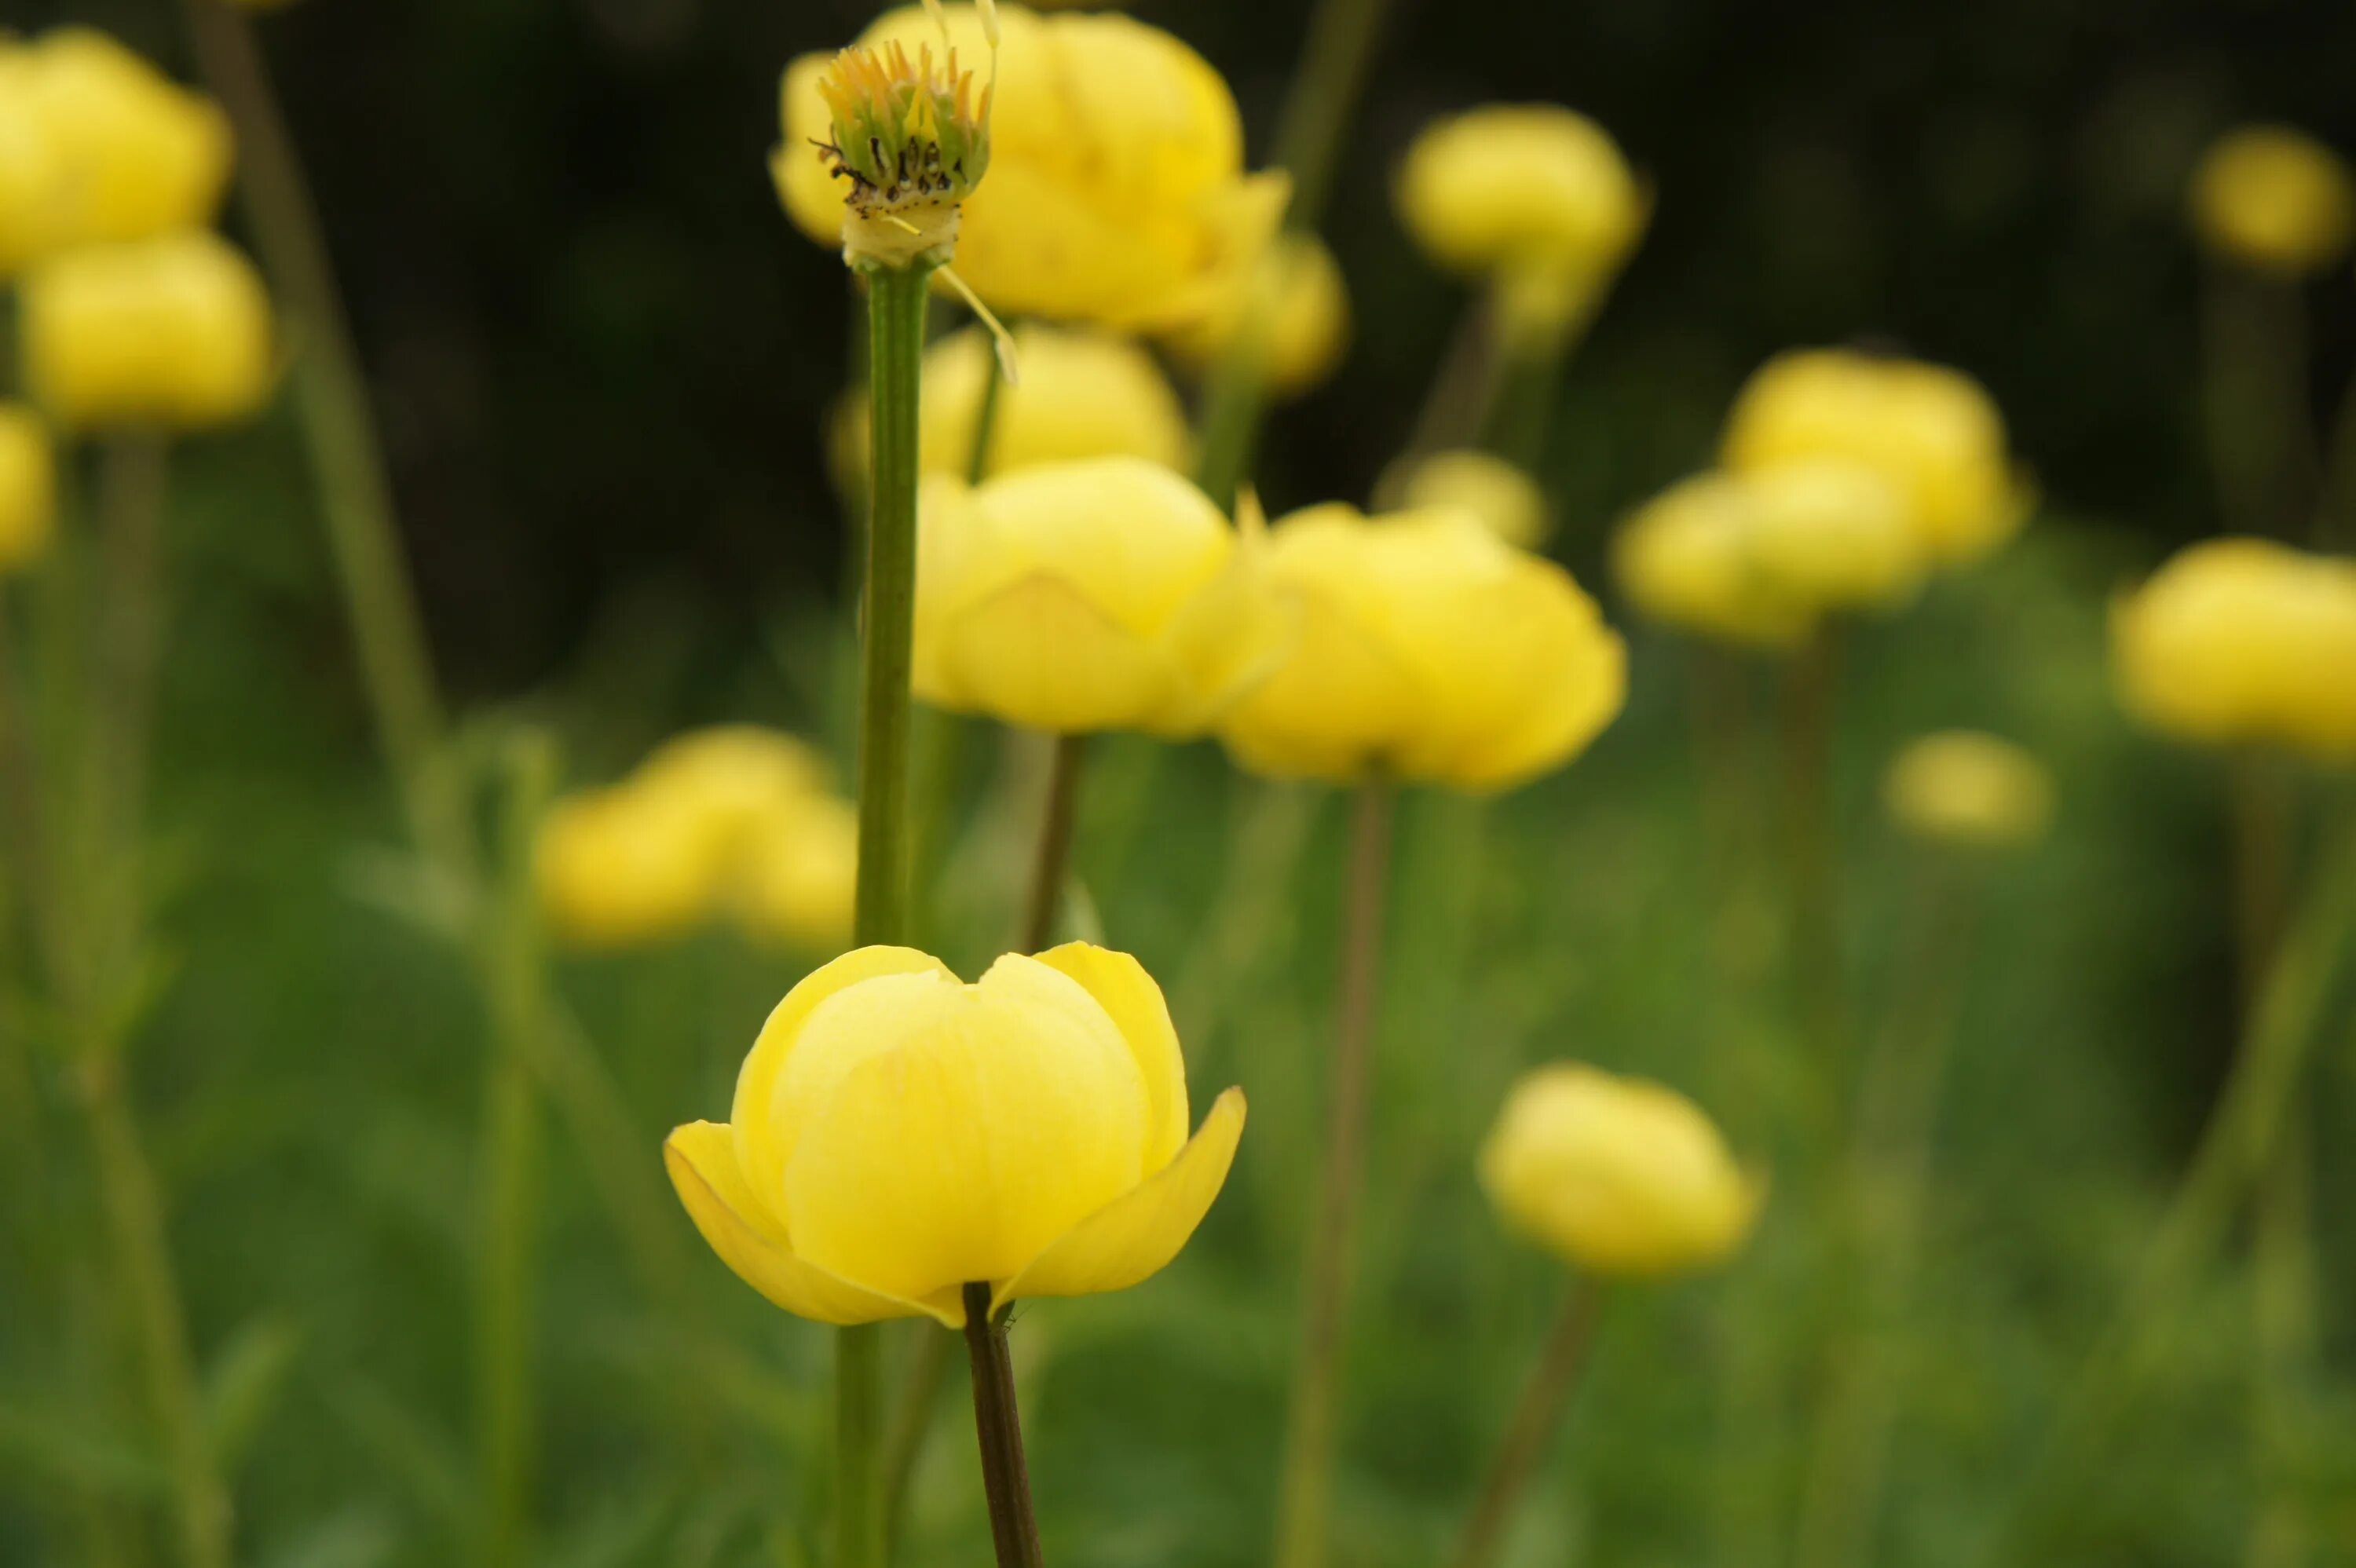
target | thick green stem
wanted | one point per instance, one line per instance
(1539, 1412)
(1305, 1487)
(997, 1424)
(1053, 856)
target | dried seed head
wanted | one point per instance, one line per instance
(907, 134)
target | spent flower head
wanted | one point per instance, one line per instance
(912, 138)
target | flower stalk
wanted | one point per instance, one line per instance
(1053, 856)
(1552, 1381)
(997, 1424)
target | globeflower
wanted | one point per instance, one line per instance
(1296, 300)
(1686, 559)
(172, 332)
(2244, 641)
(1116, 192)
(1617, 1177)
(2275, 199)
(1834, 535)
(29, 487)
(1969, 790)
(129, 153)
(1428, 650)
(898, 1134)
(1506, 499)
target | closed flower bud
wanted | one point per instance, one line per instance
(1427, 649)
(800, 876)
(2244, 641)
(136, 154)
(1930, 430)
(172, 332)
(1835, 536)
(1686, 559)
(1295, 300)
(624, 867)
(29, 487)
(898, 1135)
(1506, 500)
(1617, 1177)
(2275, 200)
(1096, 595)
(732, 775)
(1115, 190)
(1970, 791)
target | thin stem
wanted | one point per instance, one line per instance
(1304, 1496)
(985, 421)
(997, 1424)
(2262, 441)
(1814, 851)
(1053, 856)
(1544, 1397)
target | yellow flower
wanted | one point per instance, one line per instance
(2244, 641)
(625, 867)
(1083, 394)
(732, 775)
(1094, 595)
(28, 494)
(1620, 1177)
(1834, 535)
(135, 154)
(800, 876)
(1964, 788)
(1427, 649)
(898, 1135)
(1686, 559)
(32, 166)
(174, 331)
(1932, 431)
(1116, 191)
(1296, 299)
(2275, 200)
(1506, 500)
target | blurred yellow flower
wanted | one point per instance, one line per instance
(31, 166)
(898, 1135)
(1506, 500)
(732, 775)
(1967, 789)
(1686, 558)
(1084, 393)
(2275, 200)
(1620, 1177)
(1296, 299)
(2244, 641)
(1116, 191)
(29, 487)
(799, 883)
(132, 154)
(624, 867)
(1425, 648)
(174, 331)
(1932, 431)
(1834, 535)
(1102, 594)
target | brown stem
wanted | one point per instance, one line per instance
(1544, 1398)
(1055, 854)
(998, 1426)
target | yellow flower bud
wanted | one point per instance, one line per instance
(136, 154)
(801, 875)
(1094, 595)
(1970, 789)
(625, 867)
(174, 331)
(1834, 535)
(1296, 299)
(898, 1135)
(29, 487)
(732, 775)
(1083, 394)
(1533, 191)
(2244, 641)
(1932, 431)
(1506, 500)
(1428, 649)
(1686, 559)
(1116, 191)
(1620, 1177)
(2275, 200)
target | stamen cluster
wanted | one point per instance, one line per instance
(905, 134)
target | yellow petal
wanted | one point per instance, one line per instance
(1137, 1235)
(1039, 654)
(1127, 994)
(701, 1159)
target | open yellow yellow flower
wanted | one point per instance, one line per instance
(1834, 535)
(898, 1135)
(1098, 595)
(1617, 1177)
(2244, 641)
(1116, 191)
(1967, 789)
(1506, 499)
(132, 154)
(172, 332)
(1932, 431)
(1686, 558)
(29, 487)
(1295, 299)
(2275, 200)
(1427, 649)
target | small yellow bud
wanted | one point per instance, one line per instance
(134, 156)
(1973, 790)
(2244, 641)
(898, 1135)
(2275, 200)
(1428, 649)
(624, 867)
(732, 775)
(1686, 558)
(1079, 596)
(1296, 301)
(1930, 430)
(800, 880)
(1506, 500)
(1617, 1177)
(174, 331)
(1835, 536)
(28, 498)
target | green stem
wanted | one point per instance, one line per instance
(1053, 856)
(2262, 441)
(1814, 852)
(1528, 1435)
(997, 1424)
(985, 420)
(1305, 1487)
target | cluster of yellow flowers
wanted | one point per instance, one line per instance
(734, 821)
(1845, 479)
